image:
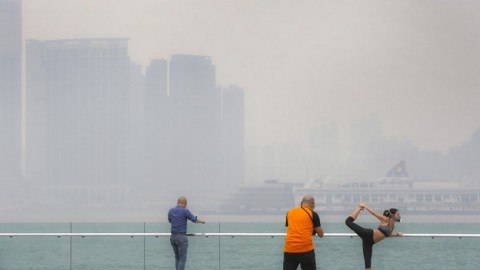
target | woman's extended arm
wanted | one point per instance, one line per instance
(381, 217)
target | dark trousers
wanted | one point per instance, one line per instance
(306, 260)
(179, 244)
(367, 240)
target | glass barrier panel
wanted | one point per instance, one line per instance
(462, 253)
(229, 252)
(251, 252)
(203, 252)
(34, 252)
(108, 252)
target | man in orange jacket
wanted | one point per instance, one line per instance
(302, 223)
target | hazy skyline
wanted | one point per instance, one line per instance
(305, 64)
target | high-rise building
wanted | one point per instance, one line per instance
(195, 131)
(137, 125)
(77, 122)
(233, 136)
(156, 121)
(10, 91)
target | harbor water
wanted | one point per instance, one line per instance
(222, 252)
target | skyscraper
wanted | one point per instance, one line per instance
(194, 130)
(196, 123)
(10, 90)
(233, 136)
(157, 122)
(78, 118)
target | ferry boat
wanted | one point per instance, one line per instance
(396, 189)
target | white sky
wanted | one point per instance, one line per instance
(305, 63)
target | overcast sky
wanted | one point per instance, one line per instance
(306, 63)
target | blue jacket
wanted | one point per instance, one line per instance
(178, 216)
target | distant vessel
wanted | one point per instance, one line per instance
(271, 198)
(396, 189)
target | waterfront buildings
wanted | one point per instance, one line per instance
(95, 136)
(233, 136)
(77, 119)
(10, 91)
(11, 178)
(194, 129)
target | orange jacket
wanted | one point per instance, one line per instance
(299, 231)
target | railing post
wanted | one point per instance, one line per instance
(446, 248)
(71, 246)
(144, 246)
(219, 231)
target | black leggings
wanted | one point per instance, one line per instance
(367, 240)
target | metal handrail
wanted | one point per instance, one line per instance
(432, 235)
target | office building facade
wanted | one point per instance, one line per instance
(10, 90)
(77, 123)
(194, 129)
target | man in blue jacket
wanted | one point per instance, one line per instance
(178, 216)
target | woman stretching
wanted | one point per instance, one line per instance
(372, 236)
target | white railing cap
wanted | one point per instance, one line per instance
(432, 235)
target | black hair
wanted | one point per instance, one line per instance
(389, 213)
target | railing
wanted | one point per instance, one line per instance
(228, 246)
(431, 235)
